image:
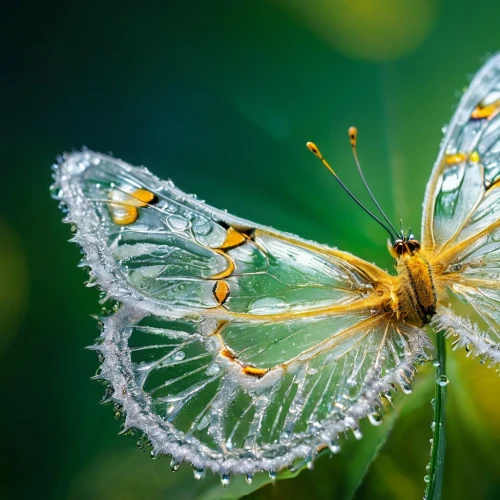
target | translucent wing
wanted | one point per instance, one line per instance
(461, 225)
(235, 347)
(456, 206)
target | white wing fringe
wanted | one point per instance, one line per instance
(468, 335)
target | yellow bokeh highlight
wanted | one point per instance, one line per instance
(379, 30)
(13, 284)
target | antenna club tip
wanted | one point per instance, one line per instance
(353, 135)
(314, 149)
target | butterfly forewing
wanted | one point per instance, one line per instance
(236, 347)
(461, 225)
(182, 254)
(467, 166)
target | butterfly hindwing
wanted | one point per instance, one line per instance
(234, 346)
(182, 382)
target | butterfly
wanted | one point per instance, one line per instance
(238, 348)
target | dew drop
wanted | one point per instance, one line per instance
(436, 363)
(405, 387)
(357, 433)
(174, 465)
(225, 479)
(268, 305)
(334, 447)
(442, 380)
(213, 369)
(351, 382)
(203, 422)
(198, 473)
(375, 419)
(249, 478)
(177, 223)
(427, 479)
(179, 356)
(272, 476)
(284, 436)
(433, 425)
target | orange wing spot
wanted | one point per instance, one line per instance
(227, 354)
(123, 214)
(221, 291)
(454, 159)
(474, 157)
(255, 372)
(485, 111)
(230, 266)
(124, 210)
(144, 196)
(233, 239)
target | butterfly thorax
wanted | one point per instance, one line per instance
(414, 293)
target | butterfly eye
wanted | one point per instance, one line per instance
(399, 247)
(413, 245)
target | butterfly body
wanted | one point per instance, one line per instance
(414, 294)
(240, 348)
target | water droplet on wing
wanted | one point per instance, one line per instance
(178, 356)
(198, 473)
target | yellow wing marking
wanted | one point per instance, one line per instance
(233, 239)
(229, 354)
(221, 291)
(489, 111)
(230, 266)
(123, 208)
(454, 159)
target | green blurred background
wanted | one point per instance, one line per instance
(221, 96)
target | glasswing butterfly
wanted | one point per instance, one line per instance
(239, 348)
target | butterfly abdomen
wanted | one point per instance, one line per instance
(415, 291)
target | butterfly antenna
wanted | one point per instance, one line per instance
(314, 149)
(353, 137)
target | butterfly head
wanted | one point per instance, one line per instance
(403, 245)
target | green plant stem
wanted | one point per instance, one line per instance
(438, 449)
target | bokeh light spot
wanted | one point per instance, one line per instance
(13, 285)
(364, 29)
